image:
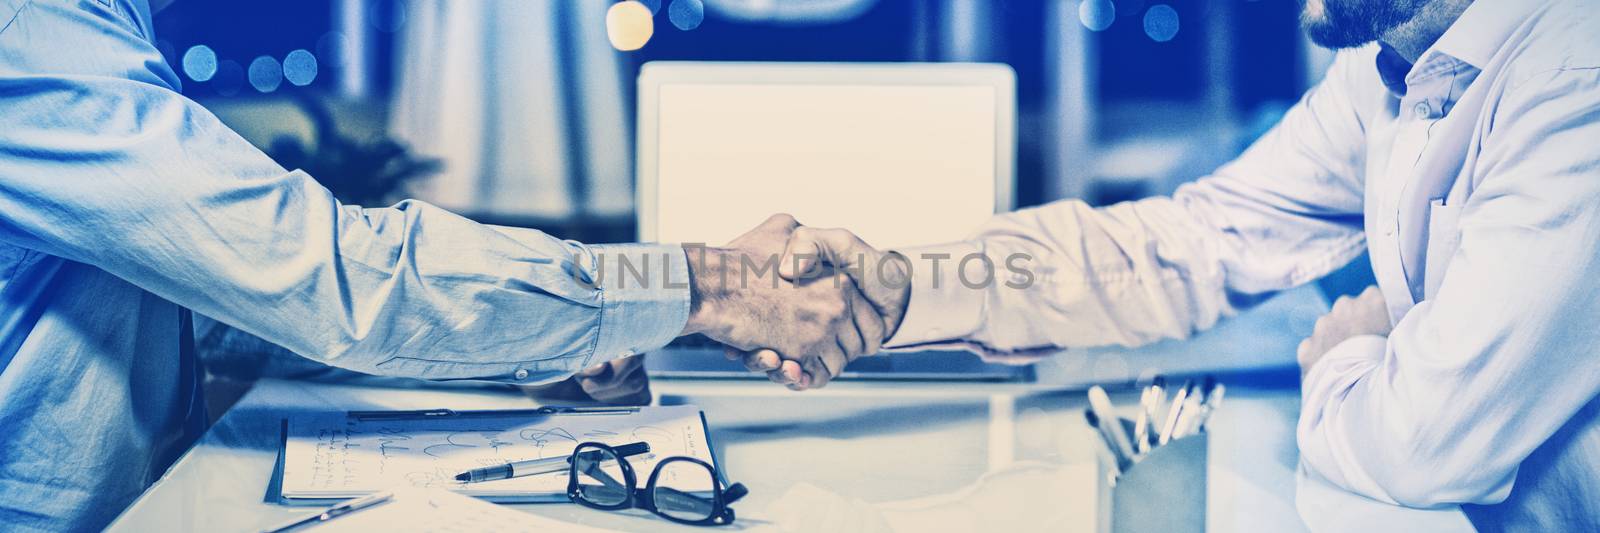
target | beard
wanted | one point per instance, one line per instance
(1353, 23)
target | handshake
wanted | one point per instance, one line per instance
(794, 302)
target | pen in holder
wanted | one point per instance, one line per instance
(1165, 491)
(1154, 477)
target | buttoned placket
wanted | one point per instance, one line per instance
(1428, 89)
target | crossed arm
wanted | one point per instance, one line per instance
(1438, 410)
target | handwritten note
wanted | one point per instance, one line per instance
(337, 456)
(415, 510)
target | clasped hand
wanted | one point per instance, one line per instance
(793, 302)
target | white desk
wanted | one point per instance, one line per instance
(856, 440)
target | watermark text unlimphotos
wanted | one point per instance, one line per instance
(974, 271)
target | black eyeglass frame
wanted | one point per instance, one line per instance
(645, 498)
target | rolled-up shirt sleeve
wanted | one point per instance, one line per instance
(1284, 213)
(103, 163)
(1474, 379)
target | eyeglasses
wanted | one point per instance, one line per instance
(681, 489)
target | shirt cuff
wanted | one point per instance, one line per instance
(1328, 446)
(638, 317)
(942, 307)
(1344, 363)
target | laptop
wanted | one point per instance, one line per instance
(901, 154)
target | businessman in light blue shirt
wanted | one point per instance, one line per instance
(124, 205)
(1462, 150)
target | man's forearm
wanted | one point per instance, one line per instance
(410, 291)
(1069, 275)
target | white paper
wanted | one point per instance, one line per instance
(337, 456)
(413, 510)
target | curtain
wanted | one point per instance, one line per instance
(523, 101)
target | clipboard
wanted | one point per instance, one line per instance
(275, 493)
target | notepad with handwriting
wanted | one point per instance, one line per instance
(338, 456)
(414, 510)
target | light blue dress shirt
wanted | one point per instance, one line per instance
(1472, 177)
(123, 204)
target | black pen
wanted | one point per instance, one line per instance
(1213, 400)
(429, 414)
(541, 466)
(335, 512)
(1110, 448)
(1111, 426)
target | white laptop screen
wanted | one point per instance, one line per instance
(898, 164)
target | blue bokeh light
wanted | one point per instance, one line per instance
(1161, 23)
(1132, 8)
(333, 49)
(1097, 15)
(387, 17)
(686, 14)
(229, 78)
(200, 63)
(300, 68)
(654, 5)
(265, 74)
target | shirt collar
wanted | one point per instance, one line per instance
(1473, 40)
(1482, 30)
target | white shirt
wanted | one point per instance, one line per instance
(1477, 193)
(123, 205)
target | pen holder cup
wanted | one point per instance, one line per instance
(1164, 492)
